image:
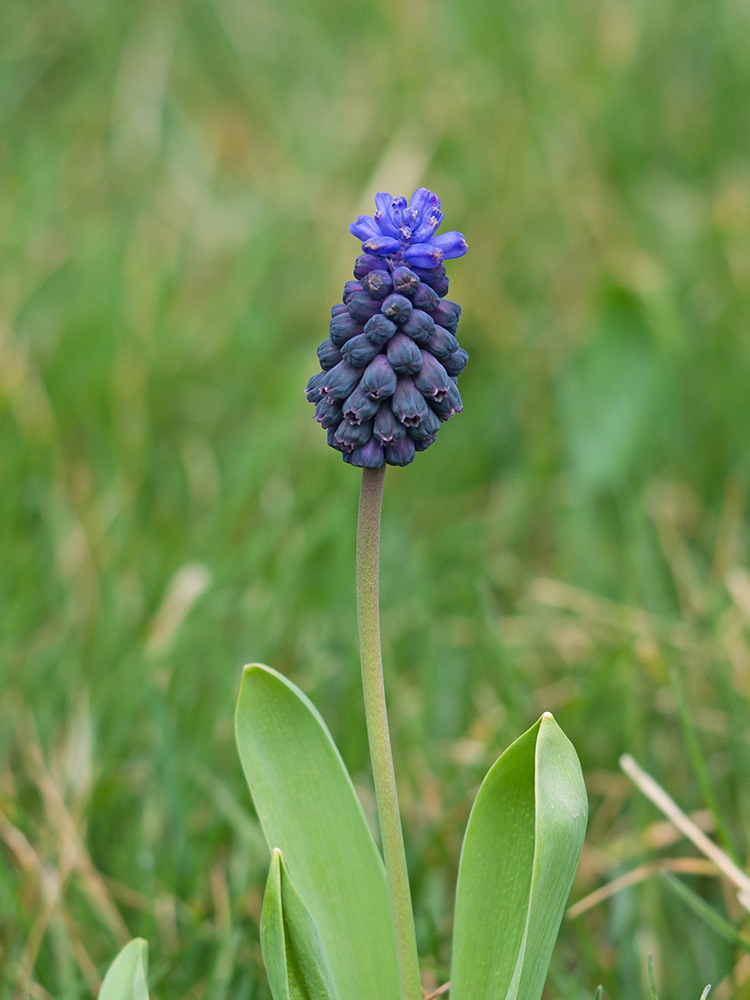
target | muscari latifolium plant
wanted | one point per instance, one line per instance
(336, 922)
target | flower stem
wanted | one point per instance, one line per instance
(368, 616)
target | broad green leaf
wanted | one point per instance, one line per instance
(520, 853)
(126, 977)
(308, 808)
(294, 958)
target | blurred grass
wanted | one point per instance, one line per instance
(176, 183)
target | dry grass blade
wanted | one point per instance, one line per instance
(653, 791)
(687, 866)
(72, 848)
(439, 991)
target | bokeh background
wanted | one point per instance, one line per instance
(177, 180)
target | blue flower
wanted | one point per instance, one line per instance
(407, 232)
(391, 360)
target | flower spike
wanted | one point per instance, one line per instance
(391, 360)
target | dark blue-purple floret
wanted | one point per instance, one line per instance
(377, 284)
(401, 452)
(361, 307)
(420, 326)
(442, 344)
(359, 407)
(405, 281)
(425, 298)
(379, 379)
(380, 329)
(359, 351)
(328, 354)
(408, 403)
(403, 355)
(387, 428)
(397, 308)
(342, 328)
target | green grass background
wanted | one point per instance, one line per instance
(177, 179)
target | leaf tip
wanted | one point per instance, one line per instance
(547, 717)
(254, 668)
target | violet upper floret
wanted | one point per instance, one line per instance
(407, 232)
(391, 359)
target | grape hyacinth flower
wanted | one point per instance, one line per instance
(391, 360)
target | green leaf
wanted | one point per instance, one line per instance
(520, 853)
(308, 808)
(126, 977)
(707, 913)
(295, 962)
(652, 978)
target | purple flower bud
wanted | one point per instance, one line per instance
(315, 387)
(455, 363)
(339, 309)
(378, 284)
(341, 380)
(423, 255)
(424, 232)
(446, 314)
(379, 379)
(328, 412)
(396, 212)
(361, 307)
(386, 427)
(363, 227)
(420, 326)
(359, 351)
(369, 456)
(423, 201)
(359, 407)
(430, 425)
(441, 286)
(404, 355)
(328, 355)
(424, 445)
(343, 328)
(405, 282)
(432, 379)
(455, 397)
(381, 245)
(366, 263)
(380, 329)
(408, 402)
(400, 452)
(351, 288)
(441, 343)
(383, 205)
(351, 436)
(397, 307)
(451, 244)
(425, 298)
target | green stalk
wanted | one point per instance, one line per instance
(368, 617)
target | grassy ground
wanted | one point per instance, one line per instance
(177, 178)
